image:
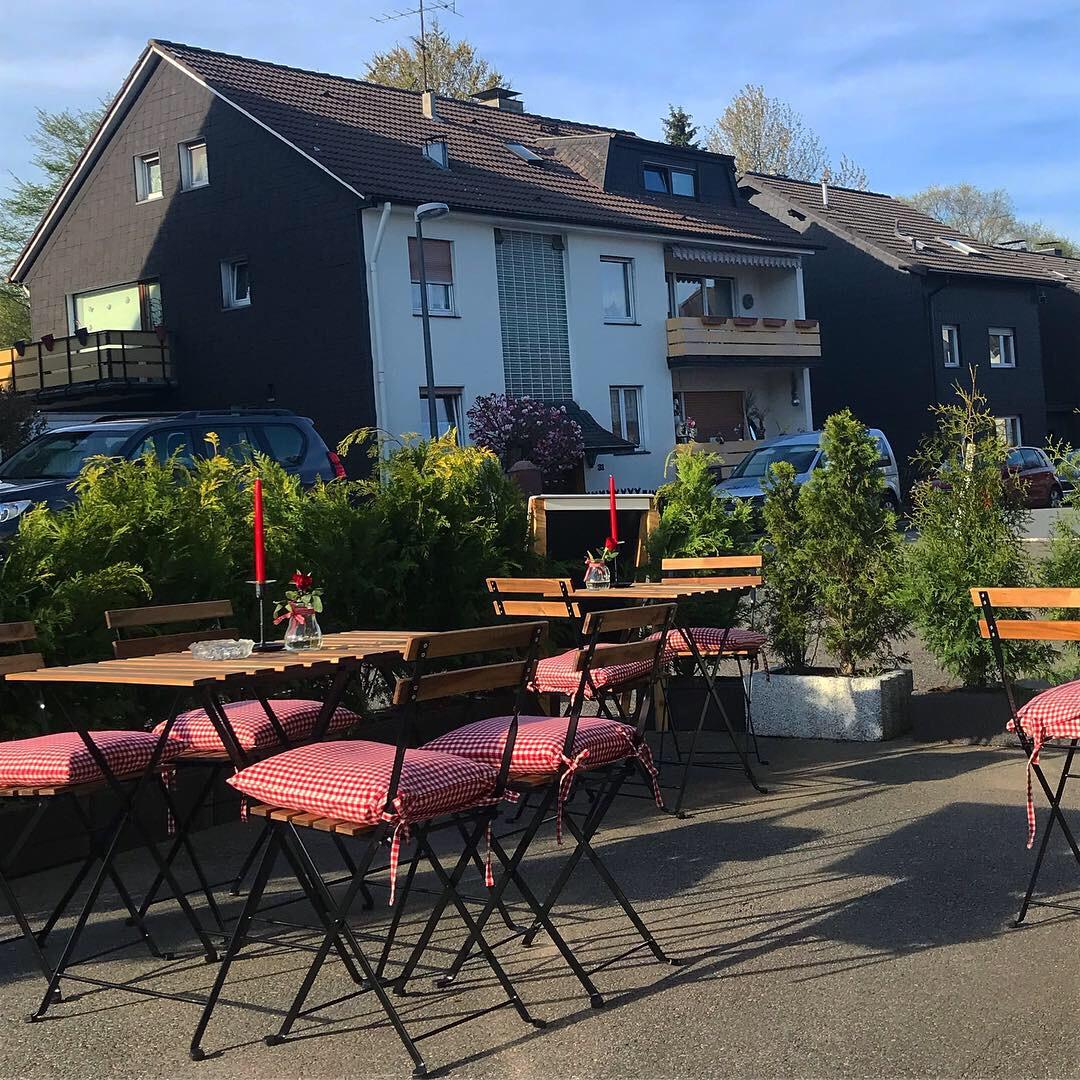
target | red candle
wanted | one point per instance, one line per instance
(260, 549)
(614, 513)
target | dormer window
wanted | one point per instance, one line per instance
(668, 180)
(436, 150)
(524, 152)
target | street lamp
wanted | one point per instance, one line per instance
(428, 212)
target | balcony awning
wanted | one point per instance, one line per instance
(703, 361)
(733, 258)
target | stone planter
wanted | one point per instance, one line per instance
(968, 715)
(686, 695)
(866, 708)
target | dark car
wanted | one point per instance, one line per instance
(42, 470)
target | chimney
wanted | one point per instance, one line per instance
(825, 177)
(428, 105)
(500, 97)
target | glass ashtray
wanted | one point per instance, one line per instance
(222, 650)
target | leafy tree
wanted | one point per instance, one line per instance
(679, 129)
(767, 135)
(791, 607)
(970, 519)
(59, 138)
(435, 62)
(20, 420)
(518, 429)
(988, 215)
(853, 549)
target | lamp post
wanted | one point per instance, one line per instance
(428, 212)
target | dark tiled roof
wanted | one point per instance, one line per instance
(371, 136)
(596, 437)
(874, 218)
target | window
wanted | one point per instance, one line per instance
(447, 409)
(287, 443)
(166, 442)
(950, 344)
(690, 295)
(235, 441)
(667, 180)
(1002, 347)
(523, 152)
(439, 270)
(193, 170)
(1009, 429)
(235, 283)
(60, 456)
(135, 306)
(617, 283)
(148, 177)
(626, 413)
(436, 150)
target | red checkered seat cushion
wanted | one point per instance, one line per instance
(556, 674)
(540, 741)
(65, 758)
(252, 726)
(350, 781)
(713, 641)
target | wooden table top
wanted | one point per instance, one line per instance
(184, 670)
(666, 590)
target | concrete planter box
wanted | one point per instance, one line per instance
(867, 708)
(968, 715)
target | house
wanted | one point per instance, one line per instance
(240, 232)
(908, 305)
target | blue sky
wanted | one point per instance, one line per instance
(918, 93)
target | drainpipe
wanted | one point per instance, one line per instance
(376, 322)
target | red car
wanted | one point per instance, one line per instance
(1042, 487)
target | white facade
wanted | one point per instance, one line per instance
(467, 345)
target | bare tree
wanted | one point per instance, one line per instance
(766, 134)
(454, 68)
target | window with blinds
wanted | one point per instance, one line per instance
(439, 271)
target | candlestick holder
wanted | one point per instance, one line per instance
(262, 645)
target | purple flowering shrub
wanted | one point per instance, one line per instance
(535, 430)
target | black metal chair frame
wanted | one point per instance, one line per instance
(1054, 793)
(338, 934)
(610, 780)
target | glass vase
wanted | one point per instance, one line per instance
(303, 632)
(597, 576)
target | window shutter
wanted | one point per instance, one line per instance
(717, 412)
(436, 261)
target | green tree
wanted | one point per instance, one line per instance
(767, 135)
(679, 129)
(790, 596)
(988, 215)
(59, 139)
(20, 420)
(970, 520)
(853, 549)
(434, 62)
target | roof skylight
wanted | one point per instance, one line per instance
(524, 152)
(959, 245)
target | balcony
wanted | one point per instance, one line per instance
(103, 360)
(736, 339)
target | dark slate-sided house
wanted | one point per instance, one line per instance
(908, 305)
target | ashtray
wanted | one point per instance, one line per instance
(229, 649)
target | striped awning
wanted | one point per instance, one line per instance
(733, 258)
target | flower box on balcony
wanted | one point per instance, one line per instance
(774, 324)
(742, 320)
(806, 324)
(713, 320)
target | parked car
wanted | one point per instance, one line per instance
(1042, 485)
(42, 470)
(804, 453)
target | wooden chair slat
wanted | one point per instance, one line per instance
(127, 648)
(164, 614)
(750, 581)
(478, 640)
(1033, 629)
(629, 618)
(547, 609)
(633, 652)
(462, 681)
(713, 562)
(17, 631)
(1029, 598)
(526, 586)
(21, 662)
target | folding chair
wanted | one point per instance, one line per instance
(550, 751)
(378, 794)
(1050, 719)
(66, 767)
(261, 726)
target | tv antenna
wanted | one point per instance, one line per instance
(421, 9)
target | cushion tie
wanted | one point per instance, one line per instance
(489, 877)
(1038, 737)
(168, 781)
(401, 832)
(565, 781)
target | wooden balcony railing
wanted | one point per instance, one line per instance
(743, 338)
(103, 359)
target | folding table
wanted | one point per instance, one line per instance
(341, 656)
(673, 589)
